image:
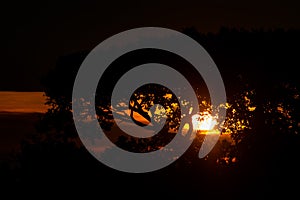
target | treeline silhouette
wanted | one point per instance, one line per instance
(262, 163)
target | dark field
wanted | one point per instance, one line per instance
(14, 127)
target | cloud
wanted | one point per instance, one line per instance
(25, 102)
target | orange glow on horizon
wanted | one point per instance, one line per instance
(22, 102)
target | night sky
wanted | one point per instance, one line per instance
(34, 35)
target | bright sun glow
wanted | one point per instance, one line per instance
(203, 122)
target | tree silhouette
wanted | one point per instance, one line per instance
(245, 58)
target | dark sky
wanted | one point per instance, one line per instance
(34, 35)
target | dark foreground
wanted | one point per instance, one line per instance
(268, 170)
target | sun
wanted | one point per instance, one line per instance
(204, 123)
